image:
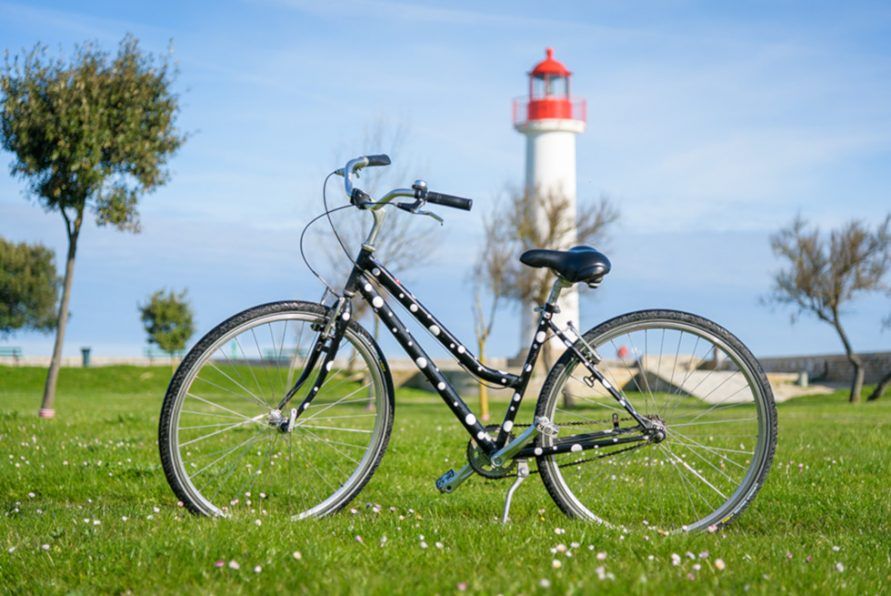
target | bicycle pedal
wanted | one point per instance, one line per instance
(546, 427)
(442, 483)
(449, 481)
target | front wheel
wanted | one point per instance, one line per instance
(219, 451)
(688, 375)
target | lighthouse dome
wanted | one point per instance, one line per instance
(550, 67)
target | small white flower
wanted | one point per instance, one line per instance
(840, 567)
(297, 555)
(544, 583)
(559, 531)
(233, 564)
(675, 559)
(258, 569)
(601, 556)
(720, 565)
(47, 547)
(556, 564)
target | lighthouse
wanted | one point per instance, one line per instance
(550, 118)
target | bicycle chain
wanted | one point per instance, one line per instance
(589, 459)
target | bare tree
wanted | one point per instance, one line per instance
(823, 273)
(532, 220)
(885, 381)
(407, 242)
(539, 220)
(489, 277)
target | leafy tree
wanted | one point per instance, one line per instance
(29, 287)
(167, 318)
(823, 273)
(92, 134)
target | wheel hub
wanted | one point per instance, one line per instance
(658, 432)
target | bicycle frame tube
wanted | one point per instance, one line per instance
(368, 273)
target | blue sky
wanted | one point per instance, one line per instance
(710, 125)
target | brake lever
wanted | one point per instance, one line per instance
(433, 215)
(415, 209)
(409, 207)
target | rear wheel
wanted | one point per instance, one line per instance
(220, 454)
(689, 375)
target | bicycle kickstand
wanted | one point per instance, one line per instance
(522, 474)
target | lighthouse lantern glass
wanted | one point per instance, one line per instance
(548, 86)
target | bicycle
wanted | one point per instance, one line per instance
(270, 410)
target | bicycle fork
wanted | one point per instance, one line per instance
(328, 342)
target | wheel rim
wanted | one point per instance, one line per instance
(712, 406)
(230, 461)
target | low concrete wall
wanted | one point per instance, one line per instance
(830, 368)
(77, 362)
(825, 368)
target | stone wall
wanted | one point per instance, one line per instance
(830, 368)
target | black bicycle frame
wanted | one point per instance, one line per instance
(368, 273)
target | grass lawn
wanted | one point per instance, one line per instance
(85, 508)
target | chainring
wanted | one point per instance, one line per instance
(480, 463)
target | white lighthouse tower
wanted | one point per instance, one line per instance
(550, 119)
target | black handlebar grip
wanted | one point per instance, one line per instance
(449, 201)
(378, 160)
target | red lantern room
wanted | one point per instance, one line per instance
(549, 96)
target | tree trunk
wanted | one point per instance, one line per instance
(52, 377)
(484, 389)
(880, 388)
(854, 359)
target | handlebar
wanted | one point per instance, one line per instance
(418, 191)
(438, 198)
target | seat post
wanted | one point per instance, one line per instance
(559, 285)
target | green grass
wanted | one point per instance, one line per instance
(66, 486)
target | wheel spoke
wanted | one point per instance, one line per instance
(685, 377)
(229, 460)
